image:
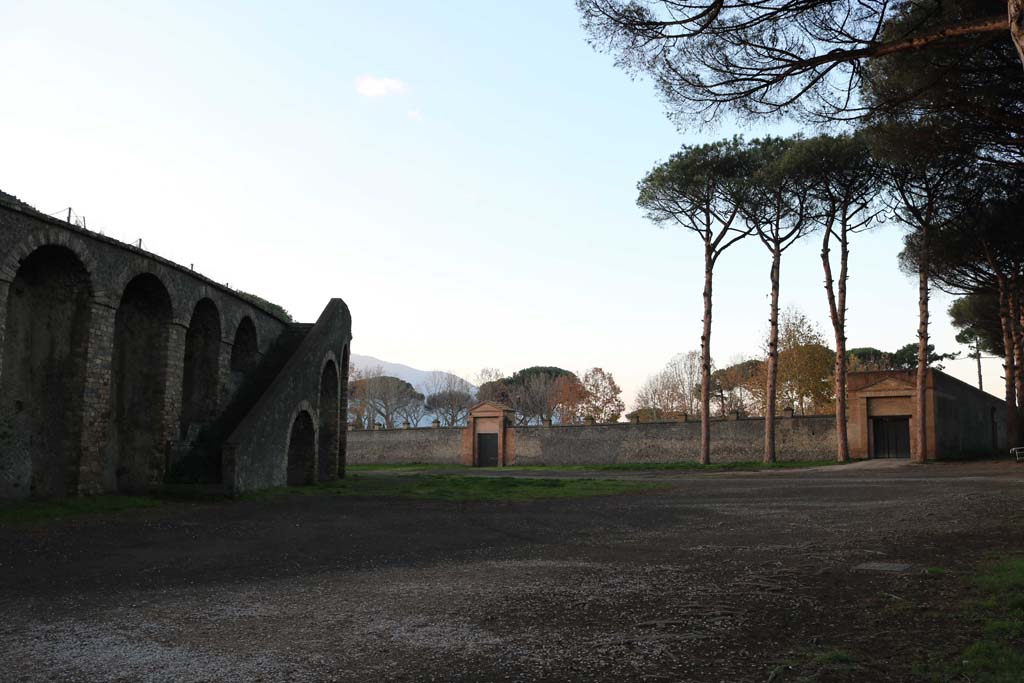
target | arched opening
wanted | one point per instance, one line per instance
(327, 452)
(343, 413)
(42, 388)
(245, 353)
(202, 369)
(139, 382)
(300, 450)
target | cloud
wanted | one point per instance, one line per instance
(414, 115)
(372, 86)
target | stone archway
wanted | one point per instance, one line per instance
(327, 451)
(42, 384)
(200, 379)
(301, 450)
(138, 387)
(245, 352)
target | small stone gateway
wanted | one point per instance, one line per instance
(121, 371)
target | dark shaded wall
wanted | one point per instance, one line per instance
(968, 422)
(252, 454)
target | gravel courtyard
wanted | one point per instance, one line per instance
(716, 577)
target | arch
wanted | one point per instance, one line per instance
(343, 412)
(201, 372)
(245, 353)
(42, 388)
(138, 387)
(327, 448)
(54, 237)
(301, 449)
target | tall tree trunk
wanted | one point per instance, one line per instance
(1016, 336)
(773, 359)
(977, 357)
(921, 453)
(1009, 365)
(837, 312)
(705, 362)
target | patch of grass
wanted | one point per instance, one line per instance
(403, 467)
(687, 466)
(462, 489)
(998, 656)
(996, 610)
(59, 508)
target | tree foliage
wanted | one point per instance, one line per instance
(757, 58)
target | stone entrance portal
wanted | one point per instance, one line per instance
(485, 438)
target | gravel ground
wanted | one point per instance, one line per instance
(718, 577)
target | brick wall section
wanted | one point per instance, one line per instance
(401, 446)
(798, 438)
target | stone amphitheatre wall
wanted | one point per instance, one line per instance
(113, 361)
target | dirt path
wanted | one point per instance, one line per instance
(724, 577)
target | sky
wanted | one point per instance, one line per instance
(462, 173)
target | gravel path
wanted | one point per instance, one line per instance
(722, 577)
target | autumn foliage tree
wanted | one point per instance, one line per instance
(603, 402)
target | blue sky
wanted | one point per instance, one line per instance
(462, 173)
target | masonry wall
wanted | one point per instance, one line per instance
(253, 453)
(798, 438)
(968, 422)
(403, 446)
(126, 304)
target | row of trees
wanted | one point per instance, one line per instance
(538, 393)
(932, 99)
(376, 398)
(535, 394)
(805, 381)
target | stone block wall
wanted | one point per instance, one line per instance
(798, 438)
(99, 447)
(437, 446)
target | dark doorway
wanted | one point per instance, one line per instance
(486, 450)
(301, 447)
(327, 453)
(137, 430)
(892, 437)
(202, 368)
(42, 388)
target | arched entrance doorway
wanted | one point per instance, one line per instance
(43, 382)
(200, 381)
(139, 382)
(327, 453)
(301, 443)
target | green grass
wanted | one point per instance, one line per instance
(686, 466)
(997, 611)
(462, 489)
(403, 467)
(624, 467)
(998, 656)
(59, 508)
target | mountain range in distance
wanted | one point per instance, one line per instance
(420, 379)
